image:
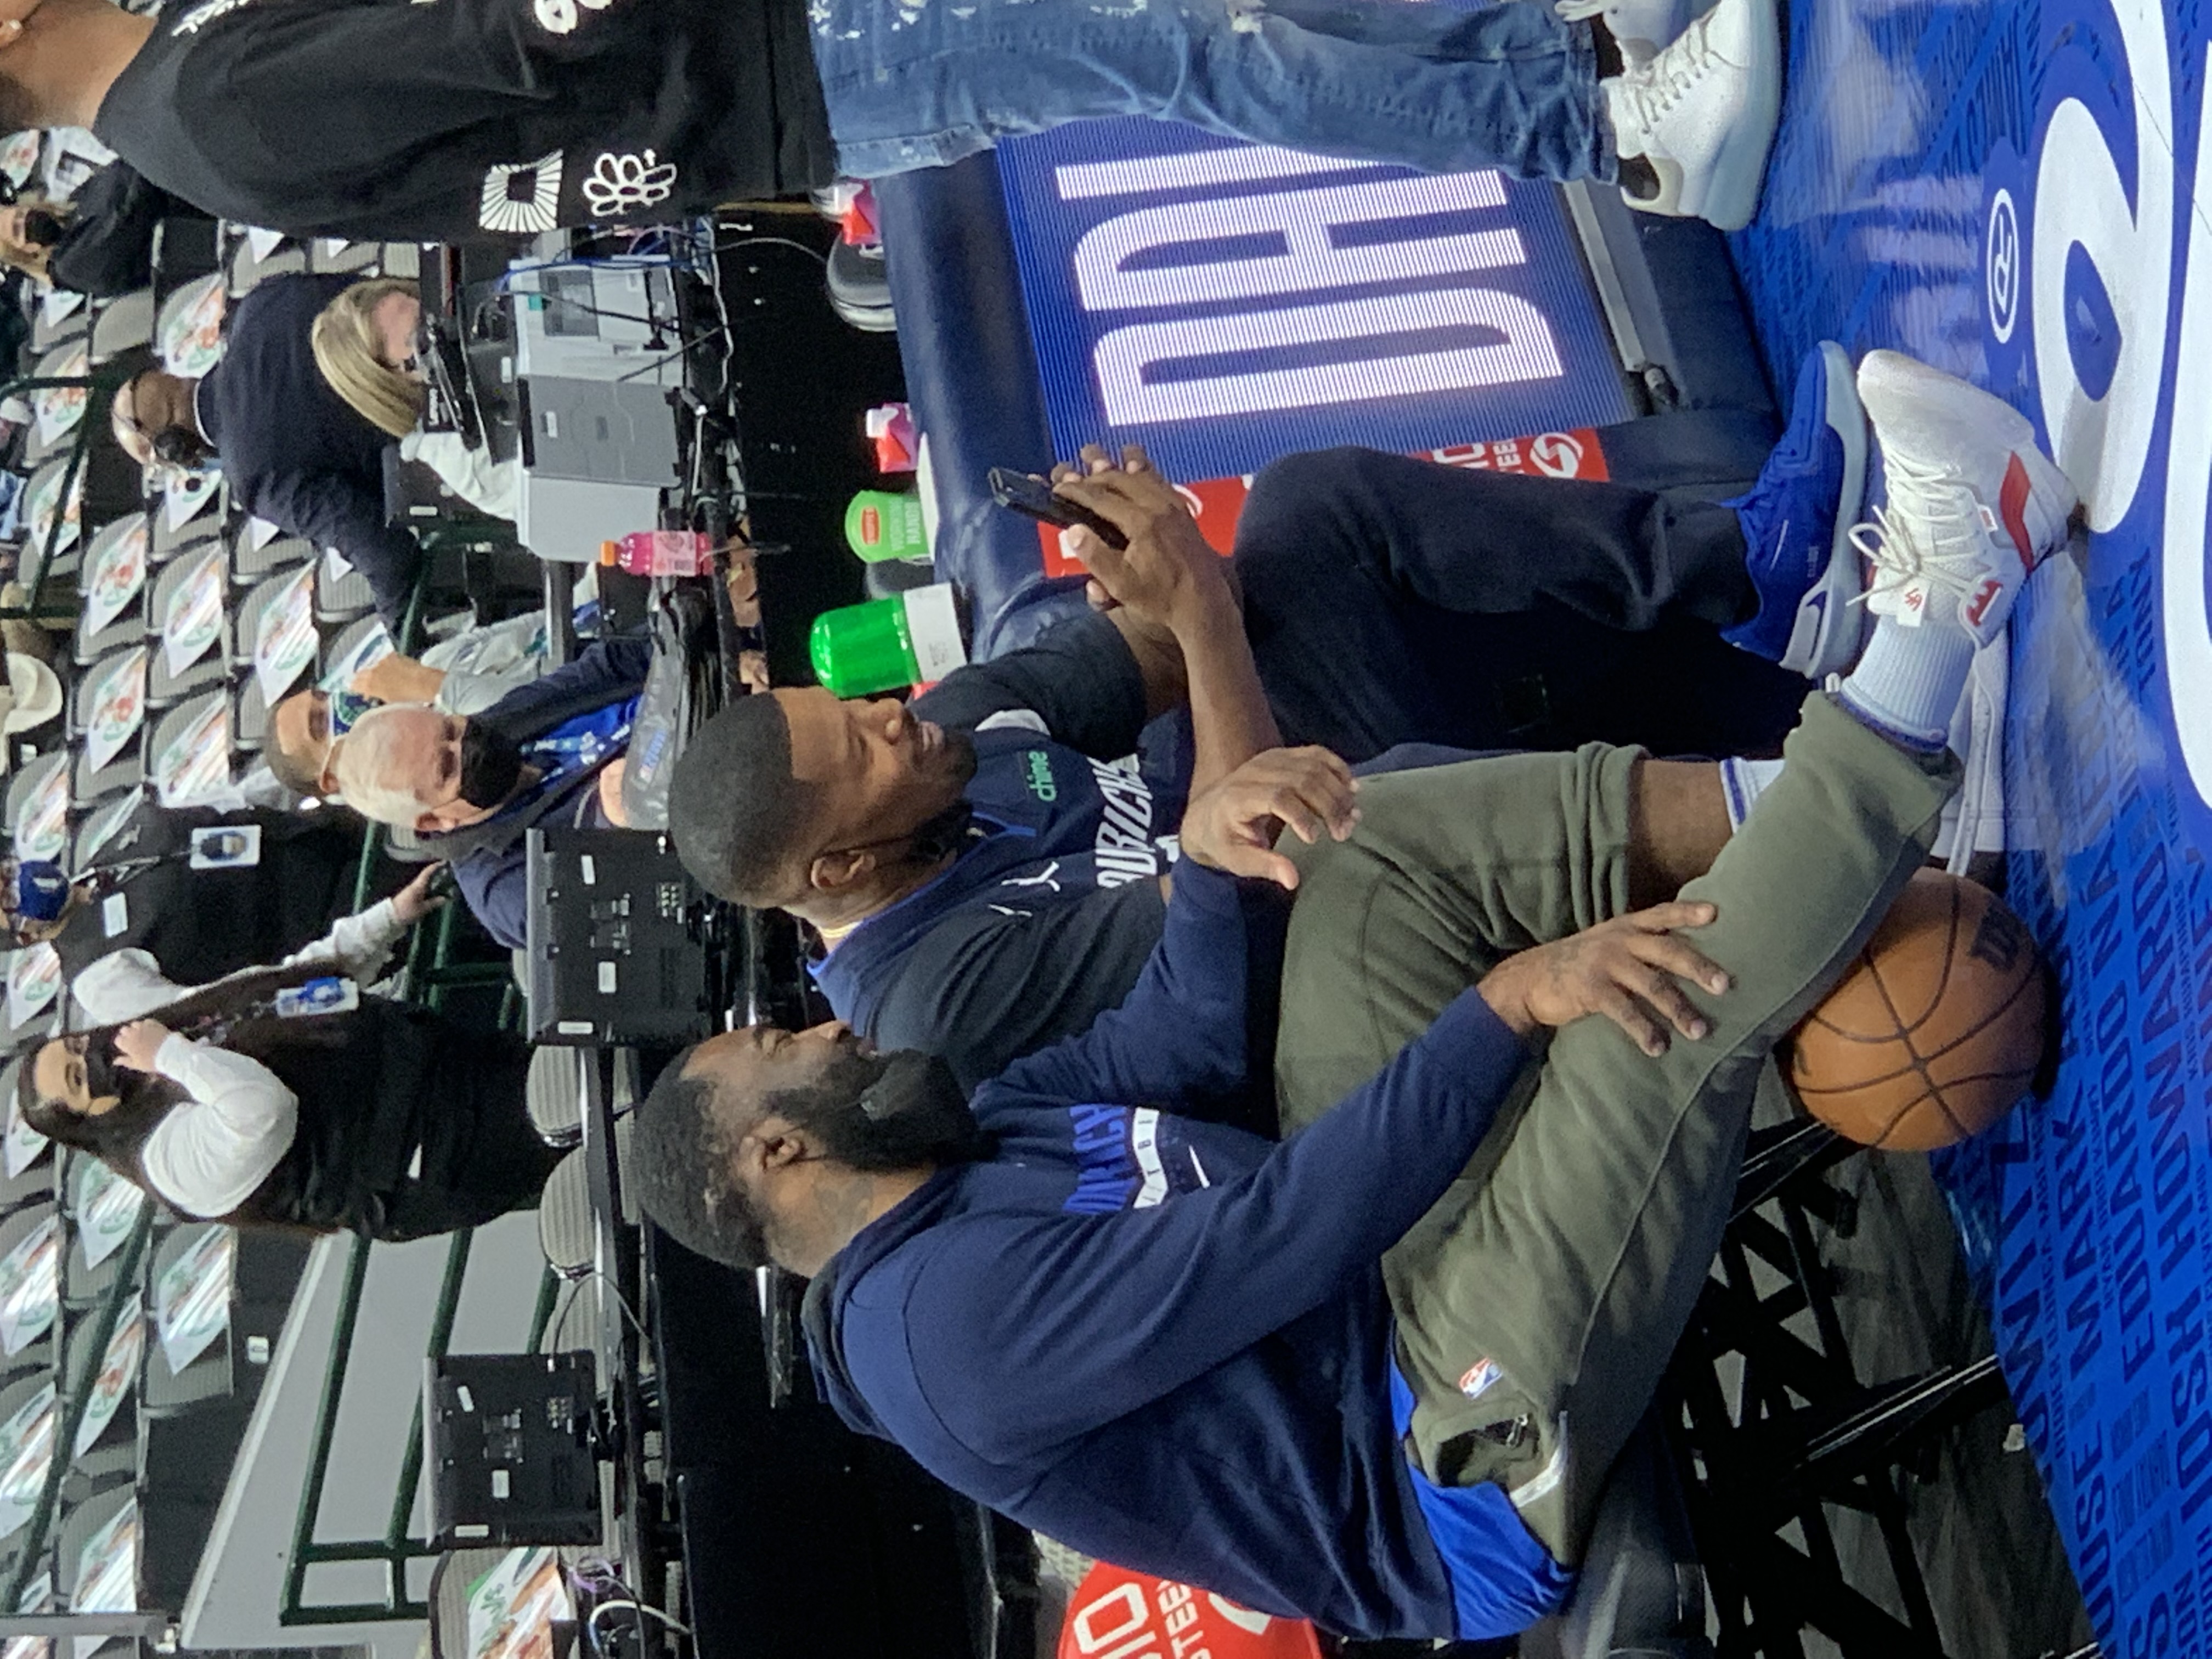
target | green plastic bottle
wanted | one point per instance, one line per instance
(882, 524)
(907, 639)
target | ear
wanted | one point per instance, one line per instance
(777, 1145)
(832, 873)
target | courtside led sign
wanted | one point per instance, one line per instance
(1225, 304)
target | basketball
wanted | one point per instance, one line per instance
(1935, 1030)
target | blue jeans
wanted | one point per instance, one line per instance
(917, 83)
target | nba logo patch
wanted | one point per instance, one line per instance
(1476, 1380)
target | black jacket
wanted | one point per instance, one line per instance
(293, 452)
(199, 925)
(109, 246)
(471, 119)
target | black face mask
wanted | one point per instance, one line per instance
(491, 766)
(42, 228)
(914, 1112)
(178, 446)
(99, 1067)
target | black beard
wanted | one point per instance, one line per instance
(962, 748)
(42, 228)
(740, 1237)
(491, 766)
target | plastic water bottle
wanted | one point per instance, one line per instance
(661, 553)
(911, 639)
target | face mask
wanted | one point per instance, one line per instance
(99, 1068)
(177, 446)
(42, 228)
(346, 708)
(491, 766)
(913, 1113)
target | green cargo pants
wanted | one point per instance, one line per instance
(1538, 1302)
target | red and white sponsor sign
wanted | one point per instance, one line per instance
(1217, 503)
(1120, 1614)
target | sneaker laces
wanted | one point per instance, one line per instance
(1929, 530)
(1649, 90)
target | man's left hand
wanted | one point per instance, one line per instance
(1233, 826)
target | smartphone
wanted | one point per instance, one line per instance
(1034, 497)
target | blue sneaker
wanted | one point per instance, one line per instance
(1797, 527)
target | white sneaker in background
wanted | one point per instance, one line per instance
(1703, 113)
(1973, 505)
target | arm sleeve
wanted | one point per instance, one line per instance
(468, 691)
(491, 487)
(1182, 1032)
(993, 983)
(608, 670)
(356, 944)
(1029, 1332)
(333, 510)
(1079, 677)
(124, 985)
(208, 1156)
(496, 886)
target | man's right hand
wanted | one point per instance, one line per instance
(1625, 968)
(1233, 826)
(395, 678)
(416, 899)
(1167, 575)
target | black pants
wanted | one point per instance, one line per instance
(1391, 600)
(482, 1156)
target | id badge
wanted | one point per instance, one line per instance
(329, 995)
(115, 914)
(227, 846)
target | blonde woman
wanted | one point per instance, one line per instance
(364, 344)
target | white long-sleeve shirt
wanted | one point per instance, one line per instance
(126, 985)
(206, 1158)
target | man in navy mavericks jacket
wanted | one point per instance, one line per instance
(291, 449)
(472, 785)
(1276, 1372)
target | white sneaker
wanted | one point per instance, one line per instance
(1704, 112)
(1639, 27)
(1973, 505)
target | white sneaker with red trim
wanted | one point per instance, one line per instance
(1973, 505)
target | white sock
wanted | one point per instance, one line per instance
(1909, 682)
(1742, 782)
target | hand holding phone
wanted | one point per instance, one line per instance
(1035, 499)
